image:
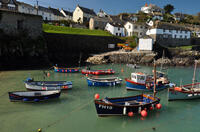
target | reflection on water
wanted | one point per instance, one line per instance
(75, 110)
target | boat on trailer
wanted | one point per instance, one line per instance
(33, 96)
(143, 82)
(123, 106)
(66, 70)
(30, 84)
(109, 81)
(98, 72)
(185, 92)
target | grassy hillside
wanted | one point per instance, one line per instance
(68, 30)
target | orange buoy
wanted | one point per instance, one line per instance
(158, 106)
(86, 75)
(130, 114)
(122, 70)
(177, 89)
(143, 113)
(48, 74)
(96, 96)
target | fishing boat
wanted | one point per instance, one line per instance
(30, 84)
(127, 105)
(109, 81)
(98, 72)
(144, 82)
(33, 96)
(66, 70)
(185, 92)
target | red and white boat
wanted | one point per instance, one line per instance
(98, 72)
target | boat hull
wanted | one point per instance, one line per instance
(178, 95)
(14, 97)
(45, 85)
(66, 70)
(106, 109)
(99, 83)
(130, 85)
(98, 72)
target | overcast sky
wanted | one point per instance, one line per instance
(119, 6)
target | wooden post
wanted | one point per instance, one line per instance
(154, 90)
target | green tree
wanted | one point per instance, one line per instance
(168, 8)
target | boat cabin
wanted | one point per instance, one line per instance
(138, 77)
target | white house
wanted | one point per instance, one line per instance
(170, 33)
(8, 5)
(46, 13)
(57, 15)
(151, 8)
(68, 15)
(82, 14)
(26, 8)
(115, 29)
(132, 28)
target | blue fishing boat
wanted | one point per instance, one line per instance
(66, 70)
(30, 84)
(109, 81)
(143, 82)
(33, 96)
(126, 106)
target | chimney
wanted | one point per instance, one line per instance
(146, 5)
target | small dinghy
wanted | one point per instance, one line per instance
(109, 81)
(33, 96)
(126, 106)
(98, 72)
(65, 70)
(30, 84)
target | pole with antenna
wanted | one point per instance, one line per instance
(37, 6)
(193, 79)
(154, 89)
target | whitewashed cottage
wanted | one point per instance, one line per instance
(115, 29)
(26, 8)
(138, 29)
(151, 8)
(57, 15)
(46, 13)
(8, 5)
(82, 14)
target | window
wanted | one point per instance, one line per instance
(135, 27)
(140, 33)
(129, 26)
(163, 30)
(180, 36)
(174, 36)
(116, 34)
(120, 34)
(141, 27)
(118, 28)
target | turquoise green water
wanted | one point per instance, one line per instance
(74, 111)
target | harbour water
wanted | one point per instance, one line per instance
(74, 111)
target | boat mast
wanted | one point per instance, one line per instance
(154, 90)
(194, 74)
(161, 67)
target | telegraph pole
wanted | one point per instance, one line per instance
(37, 6)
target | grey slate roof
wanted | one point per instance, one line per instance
(88, 11)
(68, 13)
(41, 8)
(56, 12)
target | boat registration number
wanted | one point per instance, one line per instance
(105, 107)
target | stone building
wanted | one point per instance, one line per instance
(14, 23)
(82, 14)
(168, 34)
(137, 29)
(98, 22)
